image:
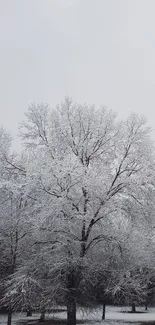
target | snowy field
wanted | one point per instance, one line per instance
(114, 316)
(17, 318)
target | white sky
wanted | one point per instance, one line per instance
(96, 51)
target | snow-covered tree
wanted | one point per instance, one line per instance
(85, 164)
(16, 212)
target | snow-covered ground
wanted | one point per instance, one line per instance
(114, 316)
(16, 318)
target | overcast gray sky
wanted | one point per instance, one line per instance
(96, 51)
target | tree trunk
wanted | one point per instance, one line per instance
(29, 312)
(145, 307)
(103, 311)
(133, 308)
(42, 316)
(71, 311)
(9, 318)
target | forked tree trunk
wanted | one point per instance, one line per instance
(71, 311)
(9, 318)
(133, 308)
(103, 311)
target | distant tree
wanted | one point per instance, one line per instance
(16, 206)
(130, 281)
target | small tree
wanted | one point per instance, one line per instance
(22, 292)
